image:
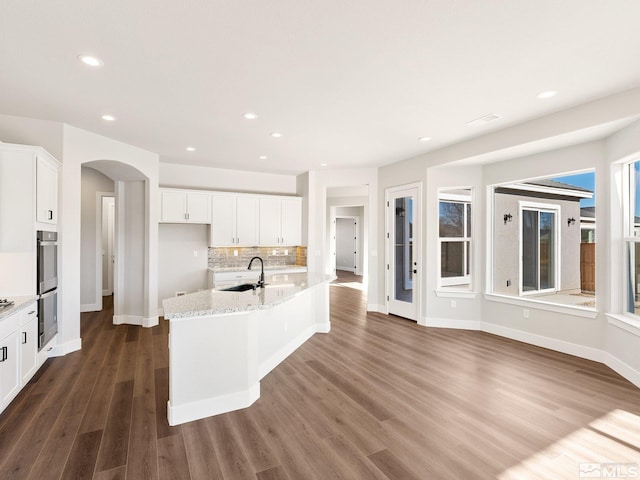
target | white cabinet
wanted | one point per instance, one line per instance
(46, 190)
(9, 368)
(280, 221)
(178, 206)
(234, 220)
(28, 344)
(18, 352)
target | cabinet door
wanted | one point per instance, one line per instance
(269, 221)
(9, 368)
(173, 207)
(46, 192)
(291, 218)
(223, 214)
(198, 208)
(28, 346)
(247, 221)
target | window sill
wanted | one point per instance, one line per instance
(455, 293)
(624, 322)
(586, 312)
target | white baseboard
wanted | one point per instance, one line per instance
(135, 320)
(346, 269)
(62, 349)
(160, 312)
(90, 307)
(622, 368)
(546, 342)
(107, 293)
(212, 406)
(450, 323)
(372, 307)
(274, 360)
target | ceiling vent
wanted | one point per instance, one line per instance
(482, 120)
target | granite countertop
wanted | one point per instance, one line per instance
(278, 289)
(256, 268)
(20, 303)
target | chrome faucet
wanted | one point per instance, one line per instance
(261, 280)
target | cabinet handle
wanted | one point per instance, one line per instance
(24, 337)
(4, 354)
(31, 312)
(50, 214)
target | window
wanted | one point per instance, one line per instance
(538, 247)
(632, 239)
(455, 237)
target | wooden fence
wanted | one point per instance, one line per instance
(588, 267)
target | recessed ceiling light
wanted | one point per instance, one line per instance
(276, 135)
(324, 164)
(547, 94)
(482, 120)
(424, 139)
(90, 60)
(191, 149)
(262, 157)
(108, 118)
(250, 116)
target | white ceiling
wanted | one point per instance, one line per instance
(347, 83)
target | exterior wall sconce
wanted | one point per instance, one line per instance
(571, 221)
(507, 218)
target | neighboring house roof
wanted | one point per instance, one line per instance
(547, 188)
(554, 184)
(588, 212)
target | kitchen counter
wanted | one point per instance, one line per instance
(221, 344)
(20, 303)
(279, 288)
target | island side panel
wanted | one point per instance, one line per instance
(212, 365)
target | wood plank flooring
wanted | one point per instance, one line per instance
(377, 398)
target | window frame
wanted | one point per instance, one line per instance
(629, 238)
(547, 208)
(464, 281)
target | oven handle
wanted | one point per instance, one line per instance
(47, 243)
(49, 293)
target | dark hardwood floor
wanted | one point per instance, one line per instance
(377, 398)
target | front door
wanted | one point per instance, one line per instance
(403, 247)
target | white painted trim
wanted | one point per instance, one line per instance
(98, 296)
(622, 368)
(90, 307)
(107, 293)
(452, 323)
(135, 320)
(575, 310)
(372, 307)
(546, 342)
(455, 294)
(274, 360)
(623, 322)
(60, 350)
(212, 406)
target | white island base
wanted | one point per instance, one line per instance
(221, 344)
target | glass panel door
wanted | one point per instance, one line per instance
(403, 249)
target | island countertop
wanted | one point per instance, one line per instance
(278, 289)
(20, 303)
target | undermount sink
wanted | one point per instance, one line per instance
(240, 288)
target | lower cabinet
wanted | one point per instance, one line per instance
(18, 352)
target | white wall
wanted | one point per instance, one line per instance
(92, 182)
(31, 131)
(207, 178)
(182, 254)
(360, 245)
(346, 244)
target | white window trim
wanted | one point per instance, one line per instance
(540, 207)
(464, 281)
(628, 188)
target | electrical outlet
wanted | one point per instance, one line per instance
(453, 304)
(235, 253)
(525, 313)
(195, 253)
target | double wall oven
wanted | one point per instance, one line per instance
(47, 286)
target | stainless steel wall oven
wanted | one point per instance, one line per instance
(47, 283)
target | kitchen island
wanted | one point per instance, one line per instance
(221, 343)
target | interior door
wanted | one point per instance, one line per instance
(403, 247)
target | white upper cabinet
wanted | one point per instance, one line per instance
(46, 190)
(280, 221)
(234, 220)
(179, 206)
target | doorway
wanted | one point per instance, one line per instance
(347, 244)
(403, 234)
(107, 247)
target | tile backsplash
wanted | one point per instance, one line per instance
(232, 257)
